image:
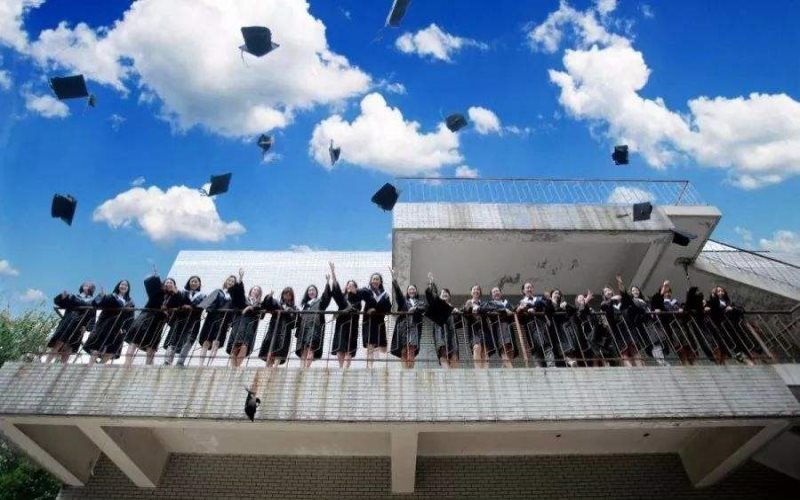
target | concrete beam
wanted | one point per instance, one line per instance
(782, 454)
(70, 475)
(404, 461)
(712, 454)
(134, 450)
(648, 263)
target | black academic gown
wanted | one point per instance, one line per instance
(345, 332)
(407, 327)
(245, 325)
(622, 332)
(500, 324)
(445, 336)
(477, 326)
(116, 317)
(218, 319)
(184, 325)
(562, 337)
(373, 328)
(730, 328)
(278, 338)
(145, 332)
(535, 326)
(78, 318)
(310, 331)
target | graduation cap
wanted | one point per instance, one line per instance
(334, 152)
(682, 238)
(251, 404)
(642, 211)
(620, 155)
(438, 311)
(386, 197)
(63, 208)
(398, 11)
(257, 41)
(219, 185)
(71, 87)
(265, 143)
(455, 122)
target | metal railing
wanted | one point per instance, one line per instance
(546, 191)
(509, 339)
(759, 263)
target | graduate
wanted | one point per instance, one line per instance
(530, 311)
(593, 338)
(78, 318)
(407, 327)
(500, 326)
(218, 319)
(376, 305)
(184, 325)
(145, 332)
(345, 331)
(245, 324)
(727, 318)
(443, 315)
(694, 322)
(483, 345)
(116, 316)
(663, 302)
(310, 332)
(623, 316)
(562, 336)
(275, 346)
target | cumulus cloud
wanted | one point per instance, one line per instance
(12, 13)
(465, 172)
(304, 249)
(201, 81)
(744, 233)
(139, 181)
(380, 138)
(45, 105)
(179, 213)
(434, 43)
(484, 120)
(116, 121)
(627, 195)
(756, 138)
(782, 241)
(5, 80)
(6, 269)
(31, 295)
(647, 11)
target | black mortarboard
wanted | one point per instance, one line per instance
(438, 311)
(219, 184)
(264, 142)
(682, 238)
(642, 211)
(398, 11)
(620, 155)
(257, 40)
(455, 122)
(69, 87)
(251, 404)
(63, 207)
(386, 197)
(334, 152)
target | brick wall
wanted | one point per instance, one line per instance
(610, 476)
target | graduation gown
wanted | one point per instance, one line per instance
(310, 331)
(244, 325)
(216, 324)
(593, 338)
(345, 331)
(116, 316)
(145, 332)
(535, 327)
(621, 331)
(445, 337)
(407, 327)
(184, 325)
(500, 325)
(78, 318)
(477, 326)
(279, 333)
(729, 326)
(373, 328)
(562, 336)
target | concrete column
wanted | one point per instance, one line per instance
(649, 262)
(134, 450)
(404, 461)
(711, 454)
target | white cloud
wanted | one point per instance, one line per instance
(32, 295)
(201, 81)
(139, 181)
(394, 88)
(11, 14)
(303, 249)
(744, 233)
(434, 43)
(757, 138)
(782, 241)
(605, 6)
(179, 213)
(116, 121)
(627, 195)
(6, 269)
(45, 105)
(5, 80)
(380, 138)
(485, 121)
(466, 172)
(647, 11)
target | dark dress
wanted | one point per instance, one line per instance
(279, 333)
(407, 327)
(730, 327)
(345, 332)
(694, 323)
(500, 325)
(215, 326)
(145, 332)
(116, 316)
(592, 338)
(179, 321)
(535, 326)
(621, 315)
(310, 331)
(244, 325)
(477, 326)
(78, 316)
(373, 328)
(442, 314)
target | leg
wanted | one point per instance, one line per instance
(186, 349)
(65, 354)
(340, 357)
(348, 358)
(57, 346)
(505, 355)
(129, 354)
(370, 355)
(169, 356)
(214, 349)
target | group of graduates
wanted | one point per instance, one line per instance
(544, 329)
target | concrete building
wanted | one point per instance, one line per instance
(700, 431)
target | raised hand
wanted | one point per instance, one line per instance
(430, 277)
(327, 277)
(241, 274)
(155, 270)
(391, 271)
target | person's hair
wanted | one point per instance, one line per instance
(286, 290)
(348, 283)
(498, 289)
(173, 283)
(226, 280)
(480, 290)
(522, 288)
(260, 291)
(415, 288)
(186, 286)
(446, 290)
(306, 298)
(91, 287)
(379, 276)
(554, 290)
(127, 295)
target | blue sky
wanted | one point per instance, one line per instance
(742, 59)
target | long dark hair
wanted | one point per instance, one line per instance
(91, 288)
(186, 286)
(127, 295)
(306, 298)
(355, 285)
(379, 276)
(415, 288)
(174, 283)
(284, 292)
(694, 299)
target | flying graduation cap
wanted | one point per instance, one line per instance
(257, 41)
(63, 208)
(219, 185)
(71, 87)
(682, 238)
(397, 12)
(620, 155)
(642, 211)
(251, 404)
(386, 197)
(334, 152)
(265, 143)
(455, 122)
